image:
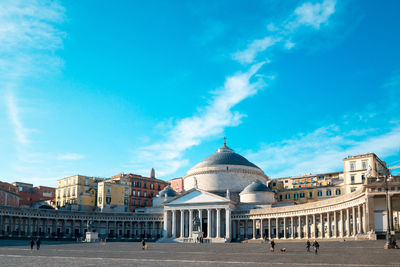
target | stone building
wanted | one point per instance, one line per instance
(31, 195)
(226, 199)
(9, 195)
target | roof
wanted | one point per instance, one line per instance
(256, 186)
(167, 192)
(225, 156)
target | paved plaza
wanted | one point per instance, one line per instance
(332, 253)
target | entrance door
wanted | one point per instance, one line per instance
(204, 226)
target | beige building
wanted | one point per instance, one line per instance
(113, 197)
(355, 168)
(77, 192)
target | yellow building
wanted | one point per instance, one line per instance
(113, 197)
(77, 192)
(304, 195)
(355, 169)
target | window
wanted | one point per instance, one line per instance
(337, 191)
(86, 182)
(138, 184)
(108, 189)
(108, 200)
(145, 202)
(138, 193)
(296, 196)
(134, 202)
(310, 194)
(363, 178)
(352, 179)
(319, 193)
(364, 165)
(133, 193)
(302, 195)
(151, 186)
(145, 193)
(274, 184)
(73, 191)
(352, 166)
(280, 197)
(287, 196)
(159, 187)
(125, 201)
(100, 199)
(134, 183)
(328, 192)
(352, 190)
(144, 185)
(286, 181)
(151, 194)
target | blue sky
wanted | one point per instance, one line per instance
(103, 87)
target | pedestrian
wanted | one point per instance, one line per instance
(272, 245)
(32, 244)
(308, 245)
(143, 244)
(316, 246)
(38, 244)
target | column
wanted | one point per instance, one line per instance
(174, 224)
(82, 230)
(238, 229)
(201, 220)
(64, 227)
(123, 229)
(209, 223)
(218, 223)
(277, 228)
(348, 222)
(359, 228)
(354, 221)
(1, 225)
(262, 229)
(245, 229)
(328, 218)
(291, 228)
(364, 218)
(299, 227)
(254, 228)
(153, 229)
(321, 218)
(182, 234)
(72, 227)
(284, 227)
(341, 224)
(335, 225)
(190, 222)
(132, 234)
(307, 228)
(165, 229)
(28, 230)
(37, 226)
(269, 228)
(47, 227)
(314, 227)
(228, 222)
(56, 226)
(19, 226)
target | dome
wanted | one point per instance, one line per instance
(225, 156)
(167, 192)
(256, 186)
(223, 170)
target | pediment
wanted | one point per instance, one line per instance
(197, 197)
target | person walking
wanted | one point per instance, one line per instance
(32, 244)
(316, 246)
(143, 244)
(308, 245)
(38, 244)
(272, 245)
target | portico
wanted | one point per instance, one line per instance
(211, 210)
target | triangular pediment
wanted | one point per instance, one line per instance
(197, 197)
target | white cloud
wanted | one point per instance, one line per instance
(14, 117)
(308, 14)
(70, 156)
(314, 14)
(322, 151)
(211, 121)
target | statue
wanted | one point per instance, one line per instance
(368, 174)
(90, 226)
(196, 224)
(195, 182)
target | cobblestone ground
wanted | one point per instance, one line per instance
(332, 253)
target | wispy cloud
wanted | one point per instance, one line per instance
(323, 150)
(308, 14)
(211, 119)
(14, 116)
(70, 156)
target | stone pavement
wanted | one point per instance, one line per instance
(332, 253)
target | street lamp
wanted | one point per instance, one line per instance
(387, 178)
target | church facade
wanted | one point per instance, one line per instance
(226, 199)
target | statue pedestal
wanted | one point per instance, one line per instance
(196, 236)
(92, 237)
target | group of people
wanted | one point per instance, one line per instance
(315, 245)
(37, 244)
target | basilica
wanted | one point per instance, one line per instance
(226, 198)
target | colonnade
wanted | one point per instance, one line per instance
(347, 222)
(59, 224)
(214, 222)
